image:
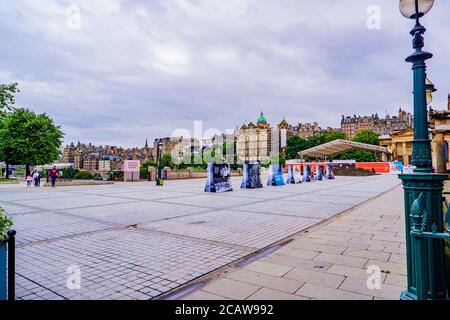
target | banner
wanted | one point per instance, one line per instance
(275, 175)
(218, 178)
(252, 176)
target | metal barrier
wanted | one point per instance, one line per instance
(427, 244)
(8, 267)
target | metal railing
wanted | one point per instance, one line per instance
(425, 234)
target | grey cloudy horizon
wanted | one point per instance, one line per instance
(142, 69)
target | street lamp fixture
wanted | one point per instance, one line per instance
(429, 88)
(413, 9)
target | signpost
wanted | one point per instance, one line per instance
(131, 170)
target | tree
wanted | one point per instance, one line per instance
(7, 98)
(29, 139)
(294, 145)
(358, 156)
(332, 135)
(144, 168)
(367, 136)
(166, 160)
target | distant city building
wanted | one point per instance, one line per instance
(254, 141)
(90, 163)
(282, 134)
(307, 130)
(177, 146)
(104, 165)
(97, 158)
(351, 125)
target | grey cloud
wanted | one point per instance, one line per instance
(140, 69)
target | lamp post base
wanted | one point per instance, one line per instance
(407, 296)
(431, 187)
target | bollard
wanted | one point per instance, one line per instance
(252, 176)
(329, 173)
(306, 173)
(291, 175)
(319, 172)
(275, 175)
(218, 178)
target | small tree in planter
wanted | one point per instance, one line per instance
(5, 224)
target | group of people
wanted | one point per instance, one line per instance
(34, 178)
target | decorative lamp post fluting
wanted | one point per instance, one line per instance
(422, 183)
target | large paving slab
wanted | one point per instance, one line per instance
(138, 241)
(239, 228)
(124, 264)
(329, 261)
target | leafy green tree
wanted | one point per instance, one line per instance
(332, 135)
(28, 139)
(367, 136)
(83, 175)
(294, 145)
(144, 168)
(358, 156)
(166, 160)
(7, 98)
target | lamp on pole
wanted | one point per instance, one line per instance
(422, 183)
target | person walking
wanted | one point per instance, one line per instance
(53, 175)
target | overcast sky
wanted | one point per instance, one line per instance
(137, 69)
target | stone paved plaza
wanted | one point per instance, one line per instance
(138, 241)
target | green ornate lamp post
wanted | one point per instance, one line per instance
(159, 181)
(425, 264)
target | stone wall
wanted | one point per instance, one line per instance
(186, 174)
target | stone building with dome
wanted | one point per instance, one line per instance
(254, 141)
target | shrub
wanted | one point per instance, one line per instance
(83, 175)
(118, 175)
(5, 224)
(69, 173)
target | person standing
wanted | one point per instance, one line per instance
(53, 175)
(37, 178)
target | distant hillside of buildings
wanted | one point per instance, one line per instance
(254, 141)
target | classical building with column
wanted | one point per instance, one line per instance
(401, 142)
(440, 124)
